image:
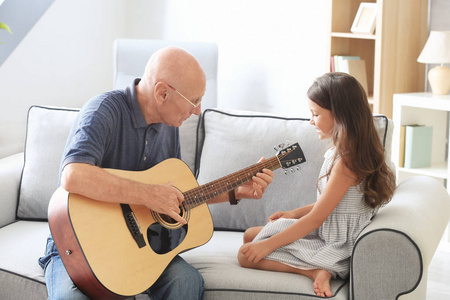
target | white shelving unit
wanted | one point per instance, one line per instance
(390, 55)
(426, 109)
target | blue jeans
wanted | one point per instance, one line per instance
(178, 281)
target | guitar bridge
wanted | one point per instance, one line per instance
(133, 225)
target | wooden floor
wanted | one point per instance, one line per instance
(439, 274)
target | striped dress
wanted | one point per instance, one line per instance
(330, 246)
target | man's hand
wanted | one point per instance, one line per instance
(83, 179)
(255, 188)
(166, 199)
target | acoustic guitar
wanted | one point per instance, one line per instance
(114, 251)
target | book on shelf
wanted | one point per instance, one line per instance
(418, 140)
(336, 60)
(352, 65)
(336, 65)
(401, 159)
(345, 58)
(356, 68)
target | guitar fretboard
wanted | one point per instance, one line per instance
(203, 193)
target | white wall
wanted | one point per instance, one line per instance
(63, 61)
(439, 11)
(438, 20)
(269, 52)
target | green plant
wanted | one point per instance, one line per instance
(6, 27)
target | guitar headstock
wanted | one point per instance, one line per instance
(291, 156)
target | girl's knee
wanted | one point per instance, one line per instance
(251, 233)
(243, 261)
(241, 258)
(246, 236)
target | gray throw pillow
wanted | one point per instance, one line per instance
(47, 131)
(234, 140)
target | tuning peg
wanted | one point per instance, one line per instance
(292, 170)
(280, 146)
(285, 172)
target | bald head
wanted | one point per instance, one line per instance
(170, 75)
(175, 66)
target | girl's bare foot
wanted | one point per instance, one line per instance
(320, 277)
(322, 283)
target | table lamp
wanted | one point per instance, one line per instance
(437, 51)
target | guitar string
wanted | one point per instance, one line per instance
(209, 190)
(222, 185)
(206, 195)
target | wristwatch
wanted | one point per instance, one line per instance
(232, 198)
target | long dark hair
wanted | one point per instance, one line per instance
(354, 134)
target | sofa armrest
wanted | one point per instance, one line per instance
(10, 173)
(392, 254)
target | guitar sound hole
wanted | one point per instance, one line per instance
(170, 220)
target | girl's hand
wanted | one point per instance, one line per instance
(256, 251)
(281, 214)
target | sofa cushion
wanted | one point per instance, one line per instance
(47, 131)
(188, 141)
(23, 242)
(226, 279)
(10, 170)
(385, 129)
(257, 133)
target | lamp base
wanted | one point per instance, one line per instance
(439, 78)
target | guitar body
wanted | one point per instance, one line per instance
(97, 248)
(114, 251)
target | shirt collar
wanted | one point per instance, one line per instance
(137, 117)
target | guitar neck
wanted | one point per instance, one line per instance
(204, 193)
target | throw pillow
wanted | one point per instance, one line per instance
(47, 131)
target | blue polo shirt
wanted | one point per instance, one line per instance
(110, 132)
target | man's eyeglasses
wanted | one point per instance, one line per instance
(190, 102)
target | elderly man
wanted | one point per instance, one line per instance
(135, 129)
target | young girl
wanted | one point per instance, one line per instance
(317, 240)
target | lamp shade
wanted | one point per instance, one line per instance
(437, 48)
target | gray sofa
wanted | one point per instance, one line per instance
(390, 259)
